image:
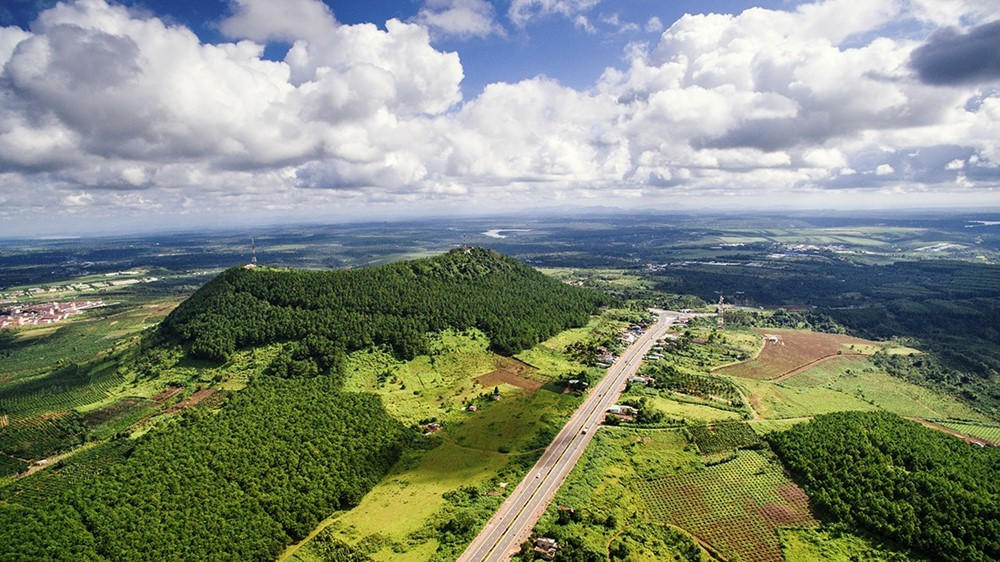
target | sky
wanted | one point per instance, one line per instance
(160, 114)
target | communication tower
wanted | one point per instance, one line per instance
(253, 255)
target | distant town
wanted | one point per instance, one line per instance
(42, 314)
(12, 297)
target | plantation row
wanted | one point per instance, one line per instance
(668, 377)
(10, 465)
(986, 432)
(75, 470)
(39, 438)
(72, 386)
(734, 506)
(722, 437)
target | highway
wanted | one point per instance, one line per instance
(512, 523)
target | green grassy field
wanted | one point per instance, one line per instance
(436, 499)
(858, 378)
(773, 401)
(434, 386)
(691, 411)
(810, 545)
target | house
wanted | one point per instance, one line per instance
(432, 427)
(471, 408)
(546, 547)
(642, 379)
(619, 409)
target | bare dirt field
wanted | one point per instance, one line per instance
(510, 371)
(192, 400)
(787, 352)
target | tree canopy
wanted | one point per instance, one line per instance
(899, 480)
(395, 305)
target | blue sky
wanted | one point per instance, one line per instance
(156, 114)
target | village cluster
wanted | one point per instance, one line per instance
(42, 314)
(35, 292)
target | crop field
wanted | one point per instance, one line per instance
(66, 388)
(37, 438)
(988, 432)
(9, 465)
(722, 437)
(736, 506)
(77, 340)
(83, 464)
(794, 350)
(603, 485)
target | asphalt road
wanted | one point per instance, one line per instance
(512, 523)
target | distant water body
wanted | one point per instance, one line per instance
(498, 232)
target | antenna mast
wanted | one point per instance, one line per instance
(253, 255)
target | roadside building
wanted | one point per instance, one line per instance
(546, 547)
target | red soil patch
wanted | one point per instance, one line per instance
(166, 394)
(794, 351)
(510, 371)
(793, 494)
(192, 400)
(781, 515)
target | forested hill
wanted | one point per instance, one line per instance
(395, 305)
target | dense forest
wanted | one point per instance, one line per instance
(237, 485)
(394, 305)
(898, 480)
(951, 308)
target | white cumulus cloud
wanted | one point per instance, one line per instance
(460, 18)
(108, 108)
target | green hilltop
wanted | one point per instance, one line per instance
(395, 305)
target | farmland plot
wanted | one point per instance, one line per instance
(736, 507)
(786, 351)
